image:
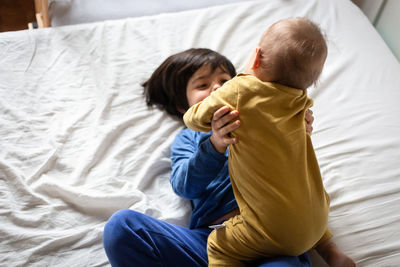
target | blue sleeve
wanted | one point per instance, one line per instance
(195, 163)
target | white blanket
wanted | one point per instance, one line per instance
(78, 142)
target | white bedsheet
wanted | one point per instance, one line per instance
(78, 142)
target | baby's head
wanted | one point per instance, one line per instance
(291, 52)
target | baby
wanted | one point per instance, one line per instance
(273, 168)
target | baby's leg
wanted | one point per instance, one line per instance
(236, 245)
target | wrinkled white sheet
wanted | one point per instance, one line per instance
(78, 142)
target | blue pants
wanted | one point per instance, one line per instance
(134, 239)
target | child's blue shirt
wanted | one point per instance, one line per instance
(200, 173)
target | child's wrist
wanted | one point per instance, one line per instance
(219, 149)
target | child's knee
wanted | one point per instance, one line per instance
(115, 228)
(112, 226)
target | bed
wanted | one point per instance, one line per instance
(78, 142)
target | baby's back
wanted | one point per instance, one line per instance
(274, 171)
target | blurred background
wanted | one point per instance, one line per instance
(22, 14)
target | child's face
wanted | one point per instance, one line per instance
(203, 82)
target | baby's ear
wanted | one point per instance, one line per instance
(257, 58)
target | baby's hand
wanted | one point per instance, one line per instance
(222, 124)
(309, 119)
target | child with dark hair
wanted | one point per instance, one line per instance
(166, 87)
(199, 172)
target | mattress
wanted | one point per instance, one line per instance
(78, 142)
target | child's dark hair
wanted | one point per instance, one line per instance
(166, 87)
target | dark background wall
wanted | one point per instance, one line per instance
(16, 14)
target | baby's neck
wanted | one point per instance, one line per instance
(261, 75)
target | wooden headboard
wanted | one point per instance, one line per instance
(42, 13)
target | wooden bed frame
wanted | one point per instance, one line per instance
(42, 13)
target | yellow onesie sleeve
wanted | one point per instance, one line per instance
(199, 116)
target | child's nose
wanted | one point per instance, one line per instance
(215, 86)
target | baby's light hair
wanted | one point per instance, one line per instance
(293, 52)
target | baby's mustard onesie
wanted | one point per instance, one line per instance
(274, 173)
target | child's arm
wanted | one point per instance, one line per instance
(194, 164)
(199, 116)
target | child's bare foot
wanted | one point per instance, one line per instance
(333, 256)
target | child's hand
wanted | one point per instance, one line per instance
(309, 118)
(222, 124)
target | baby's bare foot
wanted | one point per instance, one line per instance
(339, 259)
(333, 256)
